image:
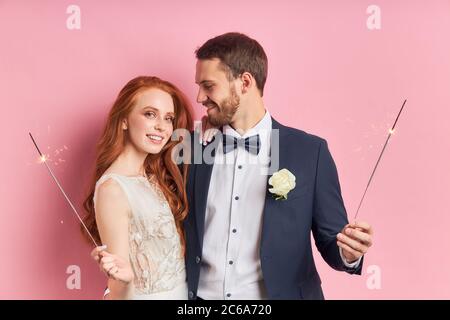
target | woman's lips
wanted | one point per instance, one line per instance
(154, 138)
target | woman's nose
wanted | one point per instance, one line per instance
(159, 125)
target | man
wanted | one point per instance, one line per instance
(243, 241)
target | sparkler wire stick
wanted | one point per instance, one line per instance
(43, 159)
(391, 131)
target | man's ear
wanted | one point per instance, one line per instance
(125, 124)
(247, 82)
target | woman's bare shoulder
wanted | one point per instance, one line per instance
(111, 197)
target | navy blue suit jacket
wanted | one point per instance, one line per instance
(315, 204)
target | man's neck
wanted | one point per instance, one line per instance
(248, 119)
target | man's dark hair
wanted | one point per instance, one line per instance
(238, 53)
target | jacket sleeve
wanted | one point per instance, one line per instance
(329, 214)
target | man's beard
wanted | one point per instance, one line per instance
(225, 112)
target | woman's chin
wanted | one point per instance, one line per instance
(154, 149)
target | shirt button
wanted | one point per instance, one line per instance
(228, 295)
(236, 198)
(239, 167)
(197, 259)
(191, 294)
(230, 262)
(234, 230)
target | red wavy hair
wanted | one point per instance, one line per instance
(170, 179)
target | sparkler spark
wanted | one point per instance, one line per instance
(391, 132)
(44, 160)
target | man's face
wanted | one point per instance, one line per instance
(216, 92)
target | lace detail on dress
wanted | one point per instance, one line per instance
(155, 247)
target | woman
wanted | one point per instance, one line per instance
(137, 200)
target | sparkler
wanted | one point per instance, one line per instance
(44, 160)
(391, 132)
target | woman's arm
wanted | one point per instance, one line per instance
(111, 215)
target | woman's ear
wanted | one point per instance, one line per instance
(125, 124)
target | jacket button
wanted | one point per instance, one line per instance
(191, 294)
(197, 259)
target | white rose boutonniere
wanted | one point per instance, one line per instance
(282, 182)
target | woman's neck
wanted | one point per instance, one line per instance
(130, 162)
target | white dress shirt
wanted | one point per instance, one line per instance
(230, 266)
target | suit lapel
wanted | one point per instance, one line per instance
(202, 180)
(282, 150)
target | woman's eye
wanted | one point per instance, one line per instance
(170, 119)
(150, 114)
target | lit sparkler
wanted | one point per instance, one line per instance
(43, 159)
(391, 132)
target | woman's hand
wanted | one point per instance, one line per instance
(113, 266)
(207, 132)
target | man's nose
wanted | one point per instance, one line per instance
(201, 97)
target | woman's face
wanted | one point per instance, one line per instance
(150, 123)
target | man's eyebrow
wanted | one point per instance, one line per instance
(204, 81)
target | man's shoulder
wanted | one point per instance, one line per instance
(301, 136)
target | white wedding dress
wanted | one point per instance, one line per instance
(155, 248)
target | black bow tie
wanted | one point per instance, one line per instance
(251, 144)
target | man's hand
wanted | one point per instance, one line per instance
(355, 239)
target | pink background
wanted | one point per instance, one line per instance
(328, 74)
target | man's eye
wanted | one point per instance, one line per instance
(208, 87)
